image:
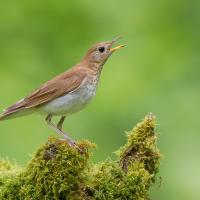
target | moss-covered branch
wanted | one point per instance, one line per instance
(58, 171)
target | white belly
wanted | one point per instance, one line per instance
(71, 102)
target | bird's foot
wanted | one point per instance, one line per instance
(72, 143)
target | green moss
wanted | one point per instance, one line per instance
(8, 171)
(132, 175)
(58, 171)
(141, 147)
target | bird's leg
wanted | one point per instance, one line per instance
(60, 123)
(58, 129)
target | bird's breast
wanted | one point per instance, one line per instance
(73, 101)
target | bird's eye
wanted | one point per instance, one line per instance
(101, 49)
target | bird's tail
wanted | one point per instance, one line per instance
(15, 113)
(7, 115)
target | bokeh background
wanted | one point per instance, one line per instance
(158, 71)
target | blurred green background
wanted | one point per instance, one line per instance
(158, 71)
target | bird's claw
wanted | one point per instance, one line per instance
(73, 144)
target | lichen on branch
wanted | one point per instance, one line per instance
(58, 171)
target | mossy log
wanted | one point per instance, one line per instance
(58, 171)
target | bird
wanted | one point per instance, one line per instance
(68, 92)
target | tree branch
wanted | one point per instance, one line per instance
(58, 171)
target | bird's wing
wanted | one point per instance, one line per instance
(59, 86)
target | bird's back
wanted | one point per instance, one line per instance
(53, 89)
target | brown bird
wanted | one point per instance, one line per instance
(68, 92)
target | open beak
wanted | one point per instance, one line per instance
(118, 47)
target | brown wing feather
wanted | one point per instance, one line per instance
(52, 89)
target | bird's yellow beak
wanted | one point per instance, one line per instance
(116, 48)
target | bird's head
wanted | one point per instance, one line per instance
(100, 52)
